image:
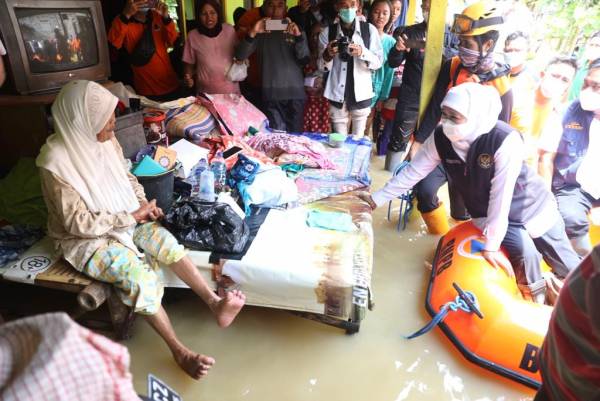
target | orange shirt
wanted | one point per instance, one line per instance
(158, 76)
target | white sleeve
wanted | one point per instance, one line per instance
(508, 161)
(323, 65)
(2, 49)
(551, 134)
(425, 161)
(373, 55)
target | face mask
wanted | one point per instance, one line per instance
(589, 100)
(347, 15)
(426, 15)
(591, 53)
(473, 61)
(515, 59)
(552, 88)
(455, 132)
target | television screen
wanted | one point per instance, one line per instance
(58, 40)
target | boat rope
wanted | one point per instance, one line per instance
(465, 301)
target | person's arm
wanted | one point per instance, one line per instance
(398, 53)
(2, 68)
(372, 55)
(70, 208)
(301, 49)
(138, 189)
(170, 33)
(507, 107)
(248, 45)
(425, 161)
(508, 162)
(118, 31)
(433, 112)
(189, 63)
(546, 166)
(325, 61)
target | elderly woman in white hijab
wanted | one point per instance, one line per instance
(98, 217)
(484, 158)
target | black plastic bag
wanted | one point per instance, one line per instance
(207, 226)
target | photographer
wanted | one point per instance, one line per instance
(153, 74)
(350, 51)
(282, 51)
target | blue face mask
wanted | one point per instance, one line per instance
(347, 15)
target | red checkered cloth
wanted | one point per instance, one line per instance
(50, 357)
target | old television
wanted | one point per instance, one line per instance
(52, 42)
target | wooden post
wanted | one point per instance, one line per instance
(411, 14)
(433, 51)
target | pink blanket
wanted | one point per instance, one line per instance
(275, 144)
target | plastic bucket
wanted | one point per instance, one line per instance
(159, 187)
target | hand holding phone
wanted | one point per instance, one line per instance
(414, 43)
(276, 24)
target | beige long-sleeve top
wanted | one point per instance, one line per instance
(76, 230)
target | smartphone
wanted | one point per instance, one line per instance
(276, 25)
(414, 43)
(231, 151)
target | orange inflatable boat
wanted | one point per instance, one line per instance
(508, 333)
(492, 324)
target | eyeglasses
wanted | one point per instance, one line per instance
(464, 24)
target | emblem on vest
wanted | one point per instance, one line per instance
(574, 125)
(485, 160)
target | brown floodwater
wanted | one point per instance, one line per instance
(271, 354)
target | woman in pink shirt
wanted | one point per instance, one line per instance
(208, 51)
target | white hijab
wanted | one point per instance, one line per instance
(480, 104)
(73, 153)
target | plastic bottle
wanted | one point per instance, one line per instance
(207, 186)
(220, 170)
(196, 173)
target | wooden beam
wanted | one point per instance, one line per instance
(411, 14)
(433, 51)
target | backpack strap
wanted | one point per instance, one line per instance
(365, 33)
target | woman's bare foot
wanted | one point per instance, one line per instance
(195, 365)
(227, 308)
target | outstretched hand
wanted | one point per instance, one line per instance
(499, 261)
(365, 196)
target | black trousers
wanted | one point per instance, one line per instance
(405, 120)
(285, 115)
(427, 200)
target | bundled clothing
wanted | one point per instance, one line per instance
(157, 77)
(275, 144)
(506, 199)
(281, 73)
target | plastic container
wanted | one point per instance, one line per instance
(207, 186)
(155, 128)
(159, 187)
(336, 140)
(194, 179)
(220, 170)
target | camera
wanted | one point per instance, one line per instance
(342, 45)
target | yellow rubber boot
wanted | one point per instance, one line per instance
(437, 221)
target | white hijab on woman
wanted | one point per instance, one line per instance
(94, 169)
(480, 105)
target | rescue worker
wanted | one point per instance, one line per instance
(571, 156)
(477, 29)
(509, 203)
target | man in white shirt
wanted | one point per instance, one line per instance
(570, 160)
(507, 200)
(2, 69)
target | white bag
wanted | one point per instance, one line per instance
(238, 71)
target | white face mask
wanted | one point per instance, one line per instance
(455, 132)
(589, 100)
(515, 59)
(552, 88)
